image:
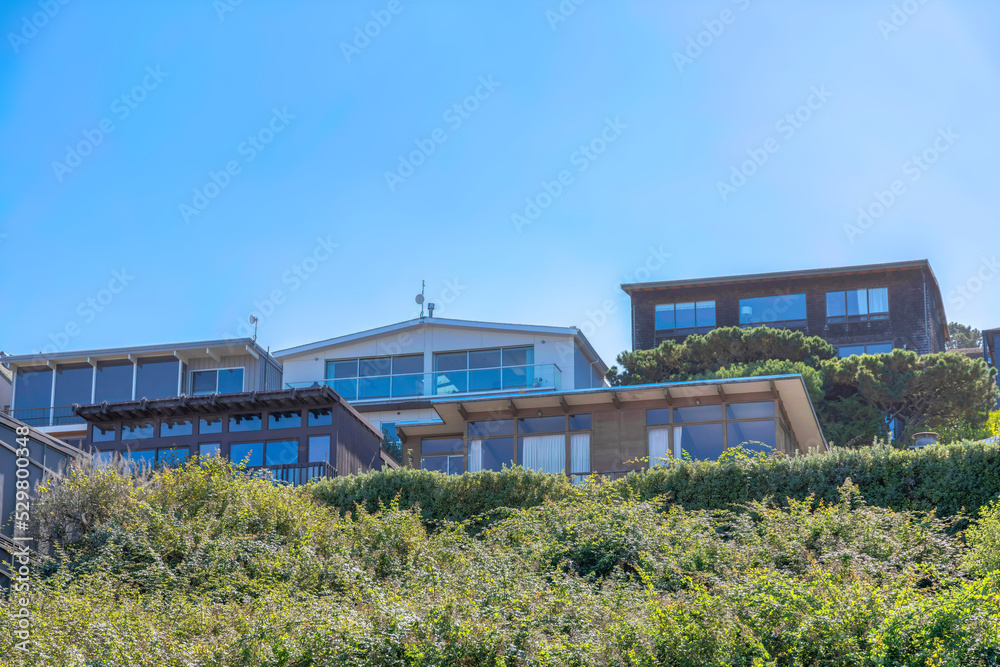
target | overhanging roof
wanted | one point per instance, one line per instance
(791, 390)
(428, 322)
(205, 348)
(40, 436)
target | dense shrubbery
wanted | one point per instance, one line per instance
(203, 566)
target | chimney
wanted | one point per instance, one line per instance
(430, 310)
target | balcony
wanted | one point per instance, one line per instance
(294, 474)
(40, 417)
(536, 377)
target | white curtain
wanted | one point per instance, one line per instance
(659, 446)
(878, 300)
(678, 441)
(545, 453)
(475, 455)
(579, 455)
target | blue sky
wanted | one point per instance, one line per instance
(170, 168)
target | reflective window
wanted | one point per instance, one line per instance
(74, 384)
(173, 456)
(231, 381)
(170, 428)
(245, 422)
(114, 381)
(320, 417)
(104, 433)
(490, 454)
(694, 413)
(319, 448)
(490, 428)
(208, 449)
(377, 377)
(872, 348)
(284, 419)
(687, 317)
(140, 460)
(210, 425)
(858, 305)
(657, 416)
(485, 370)
(750, 410)
(157, 377)
(250, 454)
(703, 442)
(541, 424)
(440, 445)
(217, 381)
(281, 452)
(579, 422)
(755, 435)
(204, 382)
(778, 309)
(33, 391)
(449, 465)
(138, 430)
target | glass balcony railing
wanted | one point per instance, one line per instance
(443, 383)
(58, 416)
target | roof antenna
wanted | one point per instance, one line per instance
(253, 321)
(420, 298)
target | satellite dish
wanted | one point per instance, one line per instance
(253, 319)
(419, 298)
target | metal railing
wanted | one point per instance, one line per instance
(60, 415)
(294, 474)
(531, 377)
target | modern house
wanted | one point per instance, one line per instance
(45, 454)
(612, 430)
(393, 373)
(858, 309)
(46, 386)
(296, 434)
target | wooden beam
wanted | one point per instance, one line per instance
(617, 401)
(252, 352)
(462, 411)
(564, 404)
(212, 353)
(667, 396)
(774, 390)
(722, 394)
(511, 406)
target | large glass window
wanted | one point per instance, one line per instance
(449, 465)
(377, 377)
(703, 442)
(319, 448)
(687, 317)
(74, 384)
(488, 428)
(103, 433)
(440, 445)
(872, 348)
(781, 310)
(142, 460)
(245, 422)
(544, 453)
(217, 381)
(754, 435)
(157, 377)
(33, 395)
(172, 428)
(114, 381)
(172, 456)
(281, 452)
(284, 419)
(250, 454)
(858, 305)
(490, 453)
(320, 417)
(541, 425)
(579, 422)
(750, 410)
(138, 430)
(698, 413)
(210, 425)
(208, 449)
(484, 370)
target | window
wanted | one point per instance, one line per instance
(74, 383)
(486, 370)
(320, 417)
(659, 446)
(208, 449)
(544, 453)
(541, 425)
(140, 460)
(579, 422)
(172, 456)
(440, 445)
(780, 310)
(689, 317)
(281, 452)
(702, 442)
(138, 430)
(657, 416)
(873, 348)
(490, 454)
(114, 381)
(701, 413)
(755, 435)
(483, 429)
(244, 422)
(170, 428)
(217, 381)
(102, 459)
(157, 377)
(284, 419)
(319, 448)
(33, 392)
(579, 455)
(210, 425)
(250, 454)
(449, 465)
(103, 433)
(377, 377)
(750, 410)
(858, 305)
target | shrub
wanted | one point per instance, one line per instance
(984, 539)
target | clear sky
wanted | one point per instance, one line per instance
(169, 168)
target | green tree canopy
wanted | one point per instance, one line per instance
(963, 336)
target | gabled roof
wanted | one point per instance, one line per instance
(226, 346)
(428, 322)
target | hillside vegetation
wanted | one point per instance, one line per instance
(204, 566)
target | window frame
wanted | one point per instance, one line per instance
(869, 316)
(191, 374)
(697, 328)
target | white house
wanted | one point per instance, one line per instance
(391, 374)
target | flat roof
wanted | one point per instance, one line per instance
(628, 288)
(231, 345)
(791, 389)
(41, 436)
(444, 322)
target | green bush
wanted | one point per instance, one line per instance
(984, 539)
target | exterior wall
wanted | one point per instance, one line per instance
(6, 392)
(915, 321)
